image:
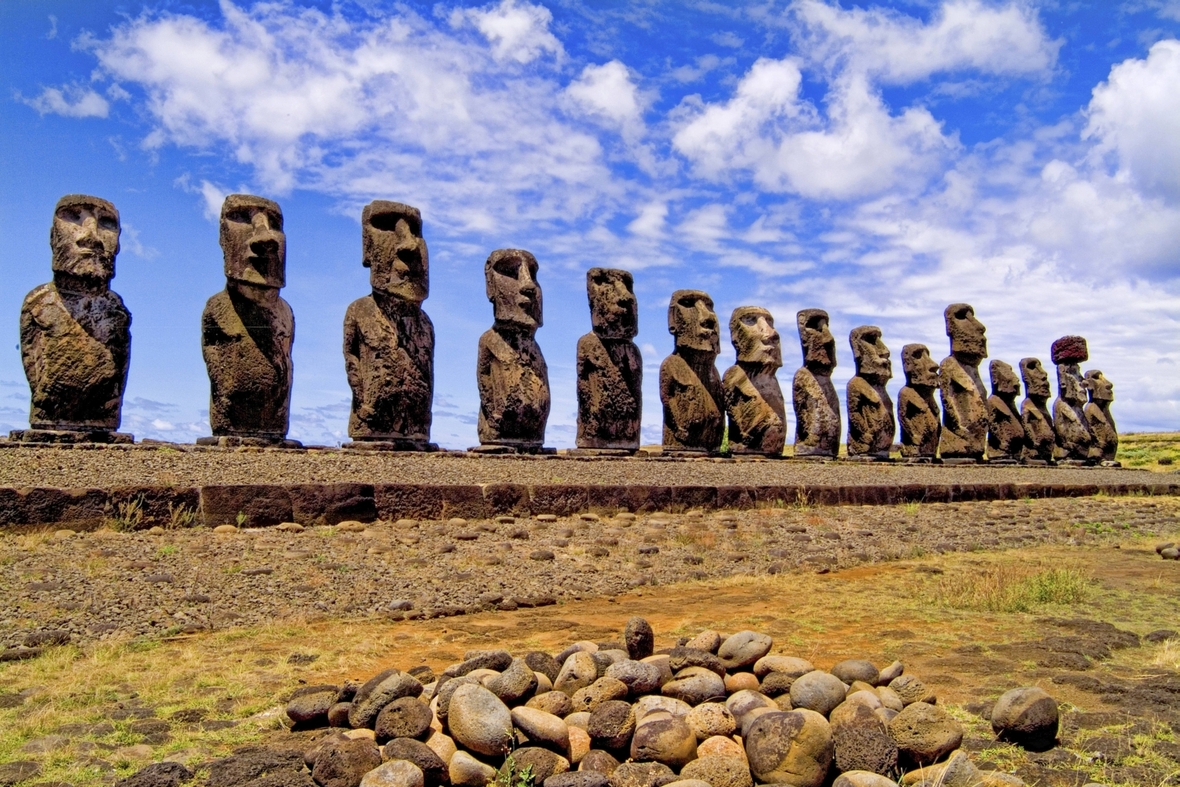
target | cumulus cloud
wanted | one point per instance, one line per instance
(517, 31)
(608, 92)
(72, 101)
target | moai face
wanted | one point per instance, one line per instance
(692, 321)
(253, 242)
(920, 369)
(394, 251)
(1036, 379)
(751, 330)
(1070, 386)
(870, 354)
(512, 287)
(819, 346)
(1004, 380)
(968, 342)
(85, 238)
(614, 312)
(1101, 389)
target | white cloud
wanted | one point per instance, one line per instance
(516, 30)
(1135, 113)
(212, 197)
(608, 92)
(72, 101)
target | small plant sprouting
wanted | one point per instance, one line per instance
(128, 516)
(242, 519)
(180, 516)
(509, 776)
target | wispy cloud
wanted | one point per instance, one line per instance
(75, 101)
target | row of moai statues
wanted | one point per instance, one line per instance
(75, 345)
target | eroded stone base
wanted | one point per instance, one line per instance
(869, 458)
(607, 452)
(495, 449)
(59, 436)
(392, 444)
(234, 441)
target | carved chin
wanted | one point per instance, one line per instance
(87, 266)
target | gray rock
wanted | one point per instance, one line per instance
(641, 774)
(788, 665)
(861, 740)
(497, 660)
(924, 733)
(891, 672)
(447, 690)
(682, 658)
(338, 714)
(1026, 716)
(639, 677)
(638, 638)
(395, 773)
(344, 763)
(708, 641)
(743, 649)
(158, 774)
(556, 702)
(434, 770)
(745, 704)
(283, 766)
(695, 685)
(911, 690)
(309, 707)
(515, 684)
(543, 663)
(578, 672)
(959, 771)
(719, 771)
(852, 670)
(818, 691)
(668, 740)
(792, 747)
(405, 717)
(611, 725)
(711, 718)
(540, 763)
(577, 779)
(372, 697)
(598, 692)
(654, 702)
(776, 684)
(480, 721)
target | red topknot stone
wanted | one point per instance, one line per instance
(1070, 349)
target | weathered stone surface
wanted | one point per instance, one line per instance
(720, 745)
(862, 779)
(655, 702)
(395, 773)
(711, 719)
(792, 747)
(911, 689)
(478, 720)
(247, 329)
(406, 717)
(719, 771)
(434, 770)
(789, 665)
(379, 691)
(917, 411)
(746, 705)
(690, 387)
(817, 408)
(1098, 417)
(1027, 716)
(924, 733)
(640, 678)
(818, 691)
(638, 638)
(679, 658)
(158, 774)
(611, 725)
(695, 685)
(708, 640)
(964, 399)
(578, 672)
(1005, 430)
(870, 410)
(753, 398)
(1075, 441)
(851, 670)
(1069, 349)
(485, 659)
(599, 761)
(344, 763)
(577, 779)
(861, 739)
(743, 649)
(602, 690)
(466, 771)
(540, 763)
(1040, 439)
(512, 377)
(610, 367)
(739, 681)
(75, 333)
(556, 702)
(641, 774)
(309, 708)
(515, 684)
(388, 339)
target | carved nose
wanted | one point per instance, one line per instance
(264, 247)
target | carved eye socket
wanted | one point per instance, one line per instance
(963, 314)
(71, 215)
(109, 223)
(240, 216)
(276, 220)
(507, 267)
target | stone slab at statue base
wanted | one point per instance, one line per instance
(688, 453)
(815, 458)
(1005, 462)
(498, 449)
(1036, 463)
(605, 452)
(392, 444)
(955, 461)
(69, 436)
(1076, 463)
(745, 452)
(919, 460)
(868, 458)
(234, 441)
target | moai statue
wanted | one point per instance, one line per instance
(75, 333)
(247, 330)
(510, 371)
(1039, 437)
(388, 339)
(817, 408)
(870, 410)
(1075, 441)
(917, 410)
(1106, 436)
(690, 387)
(610, 368)
(753, 398)
(964, 399)
(1005, 431)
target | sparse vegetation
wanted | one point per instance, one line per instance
(1158, 451)
(181, 516)
(128, 516)
(1010, 588)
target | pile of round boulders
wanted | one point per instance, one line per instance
(1168, 551)
(714, 711)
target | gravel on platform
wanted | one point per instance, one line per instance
(116, 466)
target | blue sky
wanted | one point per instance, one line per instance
(876, 160)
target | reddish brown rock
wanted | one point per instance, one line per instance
(1039, 436)
(388, 339)
(1075, 441)
(690, 387)
(964, 399)
(511, 373)
(1098, 417)
(817, 408)
(870, 410)
(917, 410)
(247, 329)
(1069, 349)
(610, 367)
(1005, 431)
(75, 333)
(753, 398)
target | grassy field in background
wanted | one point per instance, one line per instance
(1158, 451)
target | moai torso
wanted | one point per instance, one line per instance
(753, 399)
(870, 410)
(917, 410)
(1039, 436)
(690, 387)
(817, 408)
(1005, 434)
(1098, 417)
(247, 329)
(75, 333)
(511, 374)
(1075, 441)
(964, 398)
(609, 365)
(388, 339)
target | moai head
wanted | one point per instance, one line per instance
(85, 238)
(1101, 390)
(614, 312)
(819, 346)
(1005, 384)
(692, 321)
(921, 371)
(513, 289)
(1036, 379)
(1069, 349)
(754, 338)
(1070, 386)
(253, 242)
(870, 354)
(393, 250)
(968, 342)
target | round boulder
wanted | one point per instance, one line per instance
(776, 684)
(639, 677)
(792, 747)
(861, 740)
(540, 763)
(576, 779)
(598, 692)
(556, 702)
(852, 670)
(638, 638)
(695, 685)
(578, 672)
(343, 763)
(542, 728)
(543, 663)
(515, 684)
(580, 744)
(466, 771)
(406, 717)
(598, 761)
(741, 681)
(708, 640)
(788, 665)
(743, 649)
(668, 740)
(654, 702)
(745, 705)
(395, 773)
(309, 708)
(434, 770)
(924, 733)
(911, 690)
(720, 746)
(894, 670)
(711, 718)
(379, 691)
(719, 771)
(1026, 716)
(862, 779)
(479, 720)
(611, 725)
(818, 691)
(641, 774)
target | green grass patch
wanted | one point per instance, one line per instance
(1013, 588)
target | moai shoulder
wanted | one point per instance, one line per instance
(753, 398)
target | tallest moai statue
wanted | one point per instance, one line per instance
(964, 399)
(75, 333)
